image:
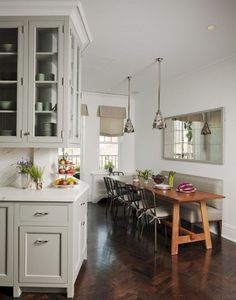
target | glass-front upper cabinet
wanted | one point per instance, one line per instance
(11, 80)
(46, 81)
(75, 77)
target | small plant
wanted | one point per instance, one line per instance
(145, 174)
(36, 173)
(24, 165)
(77, 169)
(109, 166)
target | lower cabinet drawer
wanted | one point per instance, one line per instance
(43, 254)
(41, 214)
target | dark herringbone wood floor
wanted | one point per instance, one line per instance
(120, 267)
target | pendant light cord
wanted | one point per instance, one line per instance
(159, 60)
(129, 78)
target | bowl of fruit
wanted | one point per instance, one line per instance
(68, 182)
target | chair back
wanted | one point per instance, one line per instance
(120, 189)
(110, 185)
(148, 200)
(116, 173)
(133, 195)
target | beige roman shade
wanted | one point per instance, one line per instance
(111, 120)
(84, 110)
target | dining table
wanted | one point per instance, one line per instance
(180, 235)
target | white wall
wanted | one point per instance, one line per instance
(211, 87)
(90, 149)
(45, 158)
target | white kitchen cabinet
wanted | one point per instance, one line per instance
(6, 244)
(43, 238)
(40, 80)
(42, 254)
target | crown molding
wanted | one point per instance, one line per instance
(72, 8)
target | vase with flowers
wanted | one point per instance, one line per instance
(145, 174)
(36, 173)
(23, 167)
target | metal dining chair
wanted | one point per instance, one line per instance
(111, 193)
(153, 212)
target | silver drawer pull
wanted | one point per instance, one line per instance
(38, 214)
(40, 242)
(82, 203)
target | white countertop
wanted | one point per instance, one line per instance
(48, 194)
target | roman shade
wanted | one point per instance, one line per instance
(111, 120)
(84, 110)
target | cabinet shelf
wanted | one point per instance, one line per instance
(8, 81)
(45, 83)
(45, 112)
(45, 56)
(8, 111)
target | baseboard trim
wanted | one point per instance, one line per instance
(229, 232)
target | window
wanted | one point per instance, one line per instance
(108, 151)
(73, 154)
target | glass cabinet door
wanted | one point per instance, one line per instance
(74, 130)
(11, 81)
(46, 81)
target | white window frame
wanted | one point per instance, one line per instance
(119, 150)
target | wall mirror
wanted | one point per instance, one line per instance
(195, 137)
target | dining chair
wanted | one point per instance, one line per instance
(111, 193)
(122, 195)
(153, 212)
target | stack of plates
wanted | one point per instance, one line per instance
(47, 129)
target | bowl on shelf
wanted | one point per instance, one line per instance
(8, 47)
(7, 105)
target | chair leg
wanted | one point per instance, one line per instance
(219, 228)
(155, 238)
(108, 203)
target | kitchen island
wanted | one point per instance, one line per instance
(43, 237)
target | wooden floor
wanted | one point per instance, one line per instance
(121, 267)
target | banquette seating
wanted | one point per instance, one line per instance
(190, 212)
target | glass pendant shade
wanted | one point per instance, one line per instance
(206, 130)
(129, 128)
(159, 122)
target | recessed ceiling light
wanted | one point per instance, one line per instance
(211, 27)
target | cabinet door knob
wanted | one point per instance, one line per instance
(40, 242)
(82, 204)
(39, 214)
(82, 223)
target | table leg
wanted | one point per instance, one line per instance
(205, 224)
(175, 229)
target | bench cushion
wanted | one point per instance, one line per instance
(191, 212)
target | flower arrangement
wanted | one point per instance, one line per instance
(36, 173)
(145, 174)
(24, 165)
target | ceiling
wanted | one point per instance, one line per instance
(128, 35)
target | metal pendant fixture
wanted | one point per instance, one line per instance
(159, 122)
(129, 128)
(205, 129)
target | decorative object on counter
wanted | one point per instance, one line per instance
(109, 166)
(158, 178)
(145, 174)
(23, 167)
(171, 178)
(36, 173)
(159, 122)
(186, 187)
(129, 128)
(68, 182)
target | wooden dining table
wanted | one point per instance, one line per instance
(180, 235)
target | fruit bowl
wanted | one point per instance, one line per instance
(69, 182)
(158, 178)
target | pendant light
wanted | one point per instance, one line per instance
(206, 129)
(129, 128)
(159, 122)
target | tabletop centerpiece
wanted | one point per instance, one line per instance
(145, 174)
